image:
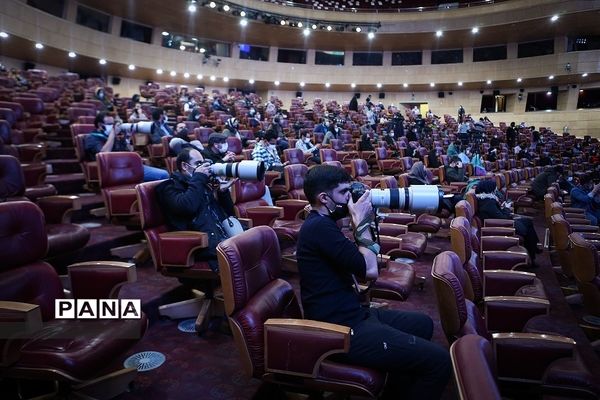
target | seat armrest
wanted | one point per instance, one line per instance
(99, 279)
(505, 283)
(264, 215)
(297, 347)
(19, 321)
(498, 242)
(293, 209)
(592, 236)
(177, 248)
(574, 210)
(389, 229)
(584, 228)
(398, 218)
(541, 349)
(271, 177)
(578, 221)
(497, 231)
(491, 222)
(245, 222)
(507, 260)
(122, 201)
(511, 313)
(58, 209)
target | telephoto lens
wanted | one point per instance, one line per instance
(247, 170)
(416, 199)
(138, 127)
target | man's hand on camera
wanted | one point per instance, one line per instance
(224, 186)
(362, 209)
(230, 156)
(203, 169)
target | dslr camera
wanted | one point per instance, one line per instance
(416, 199)
(138, 127)
(246, 170)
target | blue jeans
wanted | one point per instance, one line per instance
(399, 343)
(154, 174)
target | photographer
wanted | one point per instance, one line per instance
(217, 150)
(586, 195)
(107, 137)
(387, 340)
(308, 148)
(191, 201)
(159, 126)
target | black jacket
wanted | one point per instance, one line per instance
(188, 203)
(489, 208)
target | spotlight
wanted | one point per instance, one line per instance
(548, 93)
(242, 13)
(371, 35)
(39, 46)
(243, 22)
(282, 22)
(329, 27)
(358, 29)
(226, 8)
(131, 67)
(306, 32)
(551, 77)
(251, 81)
(182, 47)
(314, 26)
(212, 4)
(202, 50)
(225, 79)
(72, 54)
(192, 7)
(353, 85)
(432, 84)
(213, 78)
(554, 18)
(276, 83)
(439, 33)
(459, 83)
(186, 75)
(378, 85)
(489, 82)
(519, 79)
(102, 61)
(584, 74)
(3, 35)
(299, 25)
(327, 84)
(159, 71)
(405, 84)
(199, 77)
(475, 29)
(301, 84)
(172, 73)
(165, 33)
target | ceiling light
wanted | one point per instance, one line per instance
(405, 84)
(182, 47)
(329, 27)
(358, 29)
(519, 79)
(165, 33)
(489, 82)
(554, 18)
(439, 33)
(378, 85)
(432, 84)
(584, 74)
(212, 4)
(39, 46)
(551, 77)
(131, 67)
(548, 93)
(3, 35)
(102, 61)
(276, 83)
(199, 77)
(459, 83)
(314, 26)
(172, 73)
(475, 29)
(251, 81)
(159, 71)
(213, 78)
(192, 7)
(243, 22)
(72, 54)
(327, 84)
(371, 35)
(282, 22)
(301, 84)
(186, 75)
(202, 50)
(226, 8)
(353, 85)
(299, 25)
(306, 32)
(225, 79)
(242, 13)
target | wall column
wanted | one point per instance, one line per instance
(70, 11)
(512, 50)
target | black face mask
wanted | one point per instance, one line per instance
(340, 211)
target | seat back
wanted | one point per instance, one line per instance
(247, 194)
(12, 180)
(234, 145)
(359, 167)
(75, 112)
(389, 182)
(328, 155)
(587, 272)
(294, 180)
(458, 315)
(32, 105)
(461, 237)
(119, 169)
(249, 266)
(474, 368)
(293, 156)
(561, 229)
(79, 129)
(153, 221)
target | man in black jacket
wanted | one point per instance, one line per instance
(190, 202)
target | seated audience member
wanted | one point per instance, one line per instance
(182, 140)
(107, 137)
(332, 133)
(418, 175)
(191, 201)
(217, 105)
(277, 128)
(465, 155)
(389, 140)
(433, 160)
(217, 150)
(253, 118)
(488, 206)
(189, 105)
(495, 141)
(542, 182)
(159, 126)
(107, 105)
(137, 114)
(321, 127)
(586, 195)
(265, 150)
(455, 171)
(308, 148)
(231, 128)
(365, 143)
(453, 149)
(393, 341)
(195, 114)
(492, 154)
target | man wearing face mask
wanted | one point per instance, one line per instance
(217, 150)
(265, 150)
(190, 201)
(182, 140)
(586, 195)
(387, 340)
(308, 148)
(159, 126)
(107, 137)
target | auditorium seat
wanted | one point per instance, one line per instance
(89, 168)
(273, 335)
(586, 270)
(73, 354)
(294, 180)
(360, 172)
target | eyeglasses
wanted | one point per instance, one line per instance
(196, 164)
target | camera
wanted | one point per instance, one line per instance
(138, 127)
(246, 170)
(417, 199)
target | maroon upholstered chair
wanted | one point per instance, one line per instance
(294, 180)
(14, 179)
(410, 244)
(294, 156)
(75, 112)
(360, 172)
(89, 168)
(235, 146)
(387, 165)
(173, 255)
(586, 270)
(70, 352)
(464, 209)
(266, 319)
(561, 229)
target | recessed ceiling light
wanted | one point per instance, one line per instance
(226, 8)
(439, 33)
(131, 67)
(371, 35)
(242, 13)
(276, 83)
(302, 84)
(314, 26)
(548, 93)
(102, 61)
(72, 54)
(329, 28)
(327, 84)
(186, 75)
(172, 73)
(519, 79)
(39, 46)
(353, 85)
(192, 8)
(475, 29)
(358, 29)
(432, 84)
(554, 18)
(306, 32)
(551, 77)
(182, 47)
(212, 4)
(282, 22)
(225, 79)
(199, 77)
(213, 78)
(405, 84)
(202, 50)
(459, 83)
(251, 81)
(300, 25)
(159, 71)
(3, 35)
(378, 85)
(584, 74)
(489, 82)
(165, 33)
(243, 22)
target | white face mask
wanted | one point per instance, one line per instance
(223, 148)
(306, 140)
(108, 128)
